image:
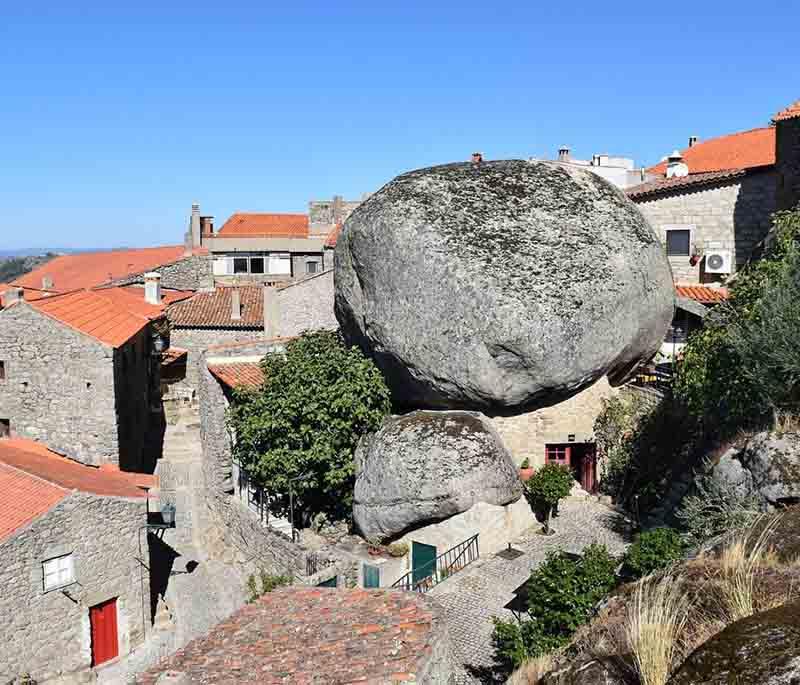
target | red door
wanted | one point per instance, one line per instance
(103, 620)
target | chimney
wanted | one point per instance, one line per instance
(272, 313)
(477, 158)
(236, 304)
(338, 209)
(206, 226)
(676, 167)
(152, 287)
(12, 296)
(194, 225)
(693, 141)
(47, 282)
(563, 154)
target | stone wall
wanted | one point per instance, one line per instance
(229, 522)
(307, 305)
(190, 273)
(195, 340)
(527, 434)
(325, 211)
(787, 162)
(734, 215)
(47, 634)
(58, 387)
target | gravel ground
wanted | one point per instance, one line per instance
(471, 597)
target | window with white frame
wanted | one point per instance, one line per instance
(280, 263)
(58, 572)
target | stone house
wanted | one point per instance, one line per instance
(787, 155)
(80, 372)
(75, 584)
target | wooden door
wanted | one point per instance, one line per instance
(423, 561)
(372, 576)
(103, 621)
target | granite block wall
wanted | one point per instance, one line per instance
(58, 386)
(47, 634)
(190, 273)
(307, 305)
(734, 215)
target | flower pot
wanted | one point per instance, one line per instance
(525, 474)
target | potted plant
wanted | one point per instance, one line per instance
(374, 547)
(525, 470)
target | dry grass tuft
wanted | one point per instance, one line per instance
(739, 562)
(655, 623)
(531, 672)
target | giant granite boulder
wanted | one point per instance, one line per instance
(501, 286)
(427, 466)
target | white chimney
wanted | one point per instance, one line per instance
(47, 282)
(563, 154)
(194, 225)
(676, 167)
(152, 287)
(236, 304)
(12, 296)
(272, 313)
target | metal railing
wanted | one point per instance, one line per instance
(254, 495)
(658, 379)
(442, 567)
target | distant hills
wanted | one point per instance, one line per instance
(37, 251)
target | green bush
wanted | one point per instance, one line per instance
(268, 582)
(547, 487)
(652, 551)
(562, 594)
(302, 426)
(613, 430)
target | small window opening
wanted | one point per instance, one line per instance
(58, 572)
(2, 371)
(5, 428)
(88, 385)
(678, 243)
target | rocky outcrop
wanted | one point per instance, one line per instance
(502, 286)
(760, 650)
(768, 465)
(596, 671)
(427, 466)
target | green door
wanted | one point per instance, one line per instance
(372, 576)
(423, 561)
(331, 582)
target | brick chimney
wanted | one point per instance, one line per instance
(236, 304)
(12, 296)
(206, 226)
(676, 167)
(47, 282)
(152, 287)
(563, 154)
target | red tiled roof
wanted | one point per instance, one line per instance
(333, 236)
(172, 355)
(238, 374)
(310, 635)
(743, 150)
(109, 315)
(89, 269)
(213, 309)
(702, 293)
(661, 185)
(248, 225)
(790, 112)
(24, 497)
(36, 460)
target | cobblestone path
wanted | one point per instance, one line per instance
(471, 597)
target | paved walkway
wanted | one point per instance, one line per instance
(471, 597)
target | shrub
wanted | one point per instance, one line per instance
(303, 424)
(613, 430)
(397, 549)
(562, 593)
(547, 487)
(268, 582)
(652, 551)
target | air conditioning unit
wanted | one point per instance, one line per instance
(718, 261)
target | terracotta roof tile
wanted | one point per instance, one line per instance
(238, 374)
(702, 293)
(743, 150)
(37, 461)
(111, 315)
(213, 309)
(661, 185)
(89, 269)
(246, 224)
(790, 112)
(294, 635)
(23, 497)
(172, 355)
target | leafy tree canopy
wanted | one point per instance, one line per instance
(303, 424)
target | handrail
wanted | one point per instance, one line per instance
(453, 561)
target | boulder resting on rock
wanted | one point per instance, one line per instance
(501, 286)
(427, 466)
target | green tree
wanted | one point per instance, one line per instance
(652, 551)
(546, 488)
(302, 426)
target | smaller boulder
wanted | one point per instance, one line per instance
(607, 670)
(427, 466)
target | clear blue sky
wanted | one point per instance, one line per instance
(114, 119)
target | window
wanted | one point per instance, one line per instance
(311, 267)
(678, 242)
(280, 264)
(240, 265)
(256, 265)
(2, 371)
(557, 454)
(5, 428)
(58, 572)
